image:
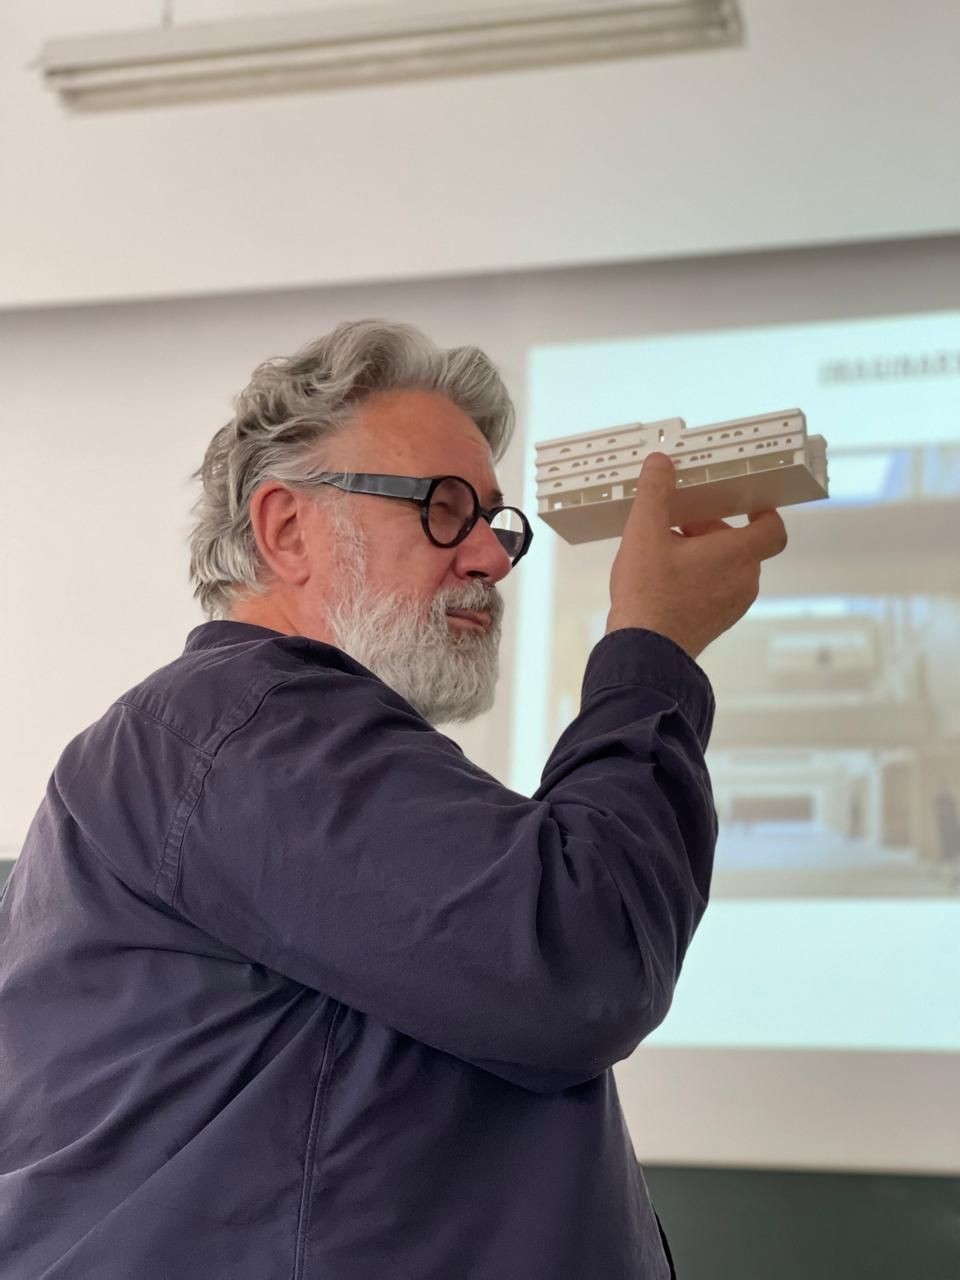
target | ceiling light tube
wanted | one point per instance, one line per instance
(335, 49)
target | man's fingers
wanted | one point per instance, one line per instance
(699, 527)
(766, 534)
(655, 488)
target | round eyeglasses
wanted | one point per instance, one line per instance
(449, 507)
(452, 508)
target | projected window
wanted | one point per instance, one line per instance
(835, 756)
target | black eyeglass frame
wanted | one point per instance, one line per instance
(420, 489)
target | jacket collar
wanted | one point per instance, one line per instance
(215, 635)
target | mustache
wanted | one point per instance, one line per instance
(475, 597)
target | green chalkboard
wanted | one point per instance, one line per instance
(734, 1224)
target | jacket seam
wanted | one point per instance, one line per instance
(171, 858)
(667, 691)
(320, 1096)
(133, 706)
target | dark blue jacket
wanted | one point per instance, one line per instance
(291, 989)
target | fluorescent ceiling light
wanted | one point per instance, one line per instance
(367, 46)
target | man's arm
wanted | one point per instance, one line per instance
(343, 842)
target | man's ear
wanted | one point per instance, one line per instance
(280, 519)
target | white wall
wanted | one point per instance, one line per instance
(835, 123)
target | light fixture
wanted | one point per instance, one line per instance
(328, 49)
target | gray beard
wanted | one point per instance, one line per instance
(409, 644)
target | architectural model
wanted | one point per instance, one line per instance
(586, 483)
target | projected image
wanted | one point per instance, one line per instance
(835, 756)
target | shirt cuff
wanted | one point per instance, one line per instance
(635, 656)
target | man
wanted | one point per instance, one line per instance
(288, 987)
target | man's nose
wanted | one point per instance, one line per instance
(482, 554)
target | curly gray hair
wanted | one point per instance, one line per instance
(290, 407)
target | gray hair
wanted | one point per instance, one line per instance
(290, 407)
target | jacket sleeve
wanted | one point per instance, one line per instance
(340, 840)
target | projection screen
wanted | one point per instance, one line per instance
(817, 1021)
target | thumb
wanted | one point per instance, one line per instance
(655, 488)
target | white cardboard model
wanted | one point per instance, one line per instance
(586, 483)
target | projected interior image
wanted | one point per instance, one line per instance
(835, 754)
